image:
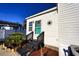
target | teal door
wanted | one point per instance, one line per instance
(38, 27)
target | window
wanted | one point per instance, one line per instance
(38, 27)
(30, 26)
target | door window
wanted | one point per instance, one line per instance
(38, 27)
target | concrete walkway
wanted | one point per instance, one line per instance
(7, 52)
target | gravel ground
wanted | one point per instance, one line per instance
(7, 52)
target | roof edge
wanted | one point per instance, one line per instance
(43, 12)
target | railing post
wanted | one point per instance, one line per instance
(41, 51)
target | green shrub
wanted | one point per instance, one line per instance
(14, 38)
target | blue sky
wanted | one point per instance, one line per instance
(17, 12)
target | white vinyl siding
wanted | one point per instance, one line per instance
(68, 23)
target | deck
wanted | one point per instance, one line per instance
(45, 52)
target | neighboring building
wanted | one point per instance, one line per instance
(6, 28)
(46, 21)
(9, 25)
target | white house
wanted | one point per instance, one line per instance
(60, 24)
(46, 21)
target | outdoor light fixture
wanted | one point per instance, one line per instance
(49, 22)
